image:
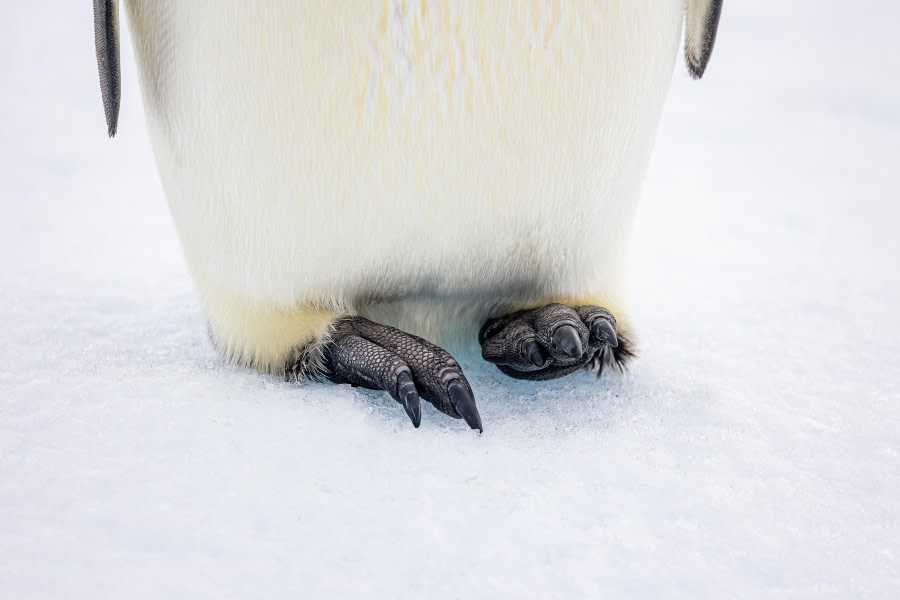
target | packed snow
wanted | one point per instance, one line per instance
(753, 449)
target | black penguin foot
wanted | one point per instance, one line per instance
(553, 341)
(407, 367)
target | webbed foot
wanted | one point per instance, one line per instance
(553, 341)
(407, 367)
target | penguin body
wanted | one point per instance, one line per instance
(428, 165)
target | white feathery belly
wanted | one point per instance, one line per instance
(395, 158)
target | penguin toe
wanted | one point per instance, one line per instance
(561, 331)
(515, 346)
(602, 325)
(375, 356)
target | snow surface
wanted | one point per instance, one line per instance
(752, 451)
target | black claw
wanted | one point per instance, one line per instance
(533, 352)
(604, 332)
(566, 339)
(409, 397)
(413, 407)
(464, 402)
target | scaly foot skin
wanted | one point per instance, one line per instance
(407, 367)
(553, 341)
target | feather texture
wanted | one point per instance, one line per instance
(425, 164)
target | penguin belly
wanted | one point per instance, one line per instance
(425, 164)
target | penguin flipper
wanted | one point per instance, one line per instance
(106, 42)
(554, 341)
(379, 357)
(700, 26)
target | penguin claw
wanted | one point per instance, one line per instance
(533, 351)
(464, 402)
(605, 333)
(566, 339)
(409, 397)
(409, 368)
(553, 341)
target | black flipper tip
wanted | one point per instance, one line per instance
(463, 401)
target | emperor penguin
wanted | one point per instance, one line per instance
(359, 185)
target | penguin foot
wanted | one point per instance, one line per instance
(407, 367)
(553, 341)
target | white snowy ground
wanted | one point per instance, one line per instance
(753, 450)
